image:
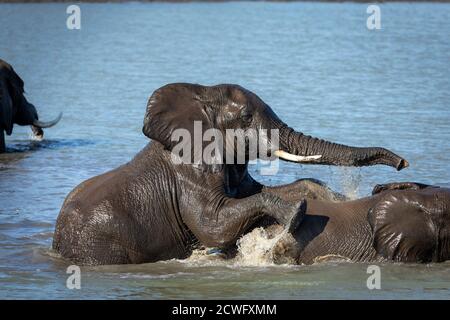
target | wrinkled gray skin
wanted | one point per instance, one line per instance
(14, 107)
(402, 222)
(151, 209)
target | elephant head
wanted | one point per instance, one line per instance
(410, 222)
(227, 106)
(14, 107)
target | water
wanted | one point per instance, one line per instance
(317, 65)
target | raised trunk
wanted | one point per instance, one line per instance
(336, 154)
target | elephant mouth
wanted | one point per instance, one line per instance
(296, 158)
(38, 133)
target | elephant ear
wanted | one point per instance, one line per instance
(403, 228)
(181, 106)
(6, 108)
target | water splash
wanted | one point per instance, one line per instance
(348, 180)
(258, 248)
(34, 137)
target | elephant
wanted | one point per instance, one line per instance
(14, 107)
(155, 208)
(400, 222)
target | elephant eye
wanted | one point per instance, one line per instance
(246, 116)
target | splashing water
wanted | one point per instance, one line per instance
(34, 137)
(257, 248)
(349, 181)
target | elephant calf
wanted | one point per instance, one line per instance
(403, 222)
(154, 208)
(14, 107)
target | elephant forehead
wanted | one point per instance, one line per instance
(234, 93)
(238, 95)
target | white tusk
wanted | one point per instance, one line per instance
(292, 157)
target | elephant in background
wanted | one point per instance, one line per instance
(154, 209)
(14, 107)
(401, 222)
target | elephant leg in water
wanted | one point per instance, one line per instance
(406, 222)
(157, 207)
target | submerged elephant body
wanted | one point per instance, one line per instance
(403, 222)
(153, 209)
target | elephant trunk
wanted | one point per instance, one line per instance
(38, 133)
(320, 151)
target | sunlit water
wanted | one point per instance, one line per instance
(317, 65)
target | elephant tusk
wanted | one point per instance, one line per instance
(292, 157)
(42, 124)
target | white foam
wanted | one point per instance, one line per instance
(150, 276)
(255, 249)
(36, 138)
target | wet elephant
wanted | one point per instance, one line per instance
(14, 107)
(402, 222)
(155, 208)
